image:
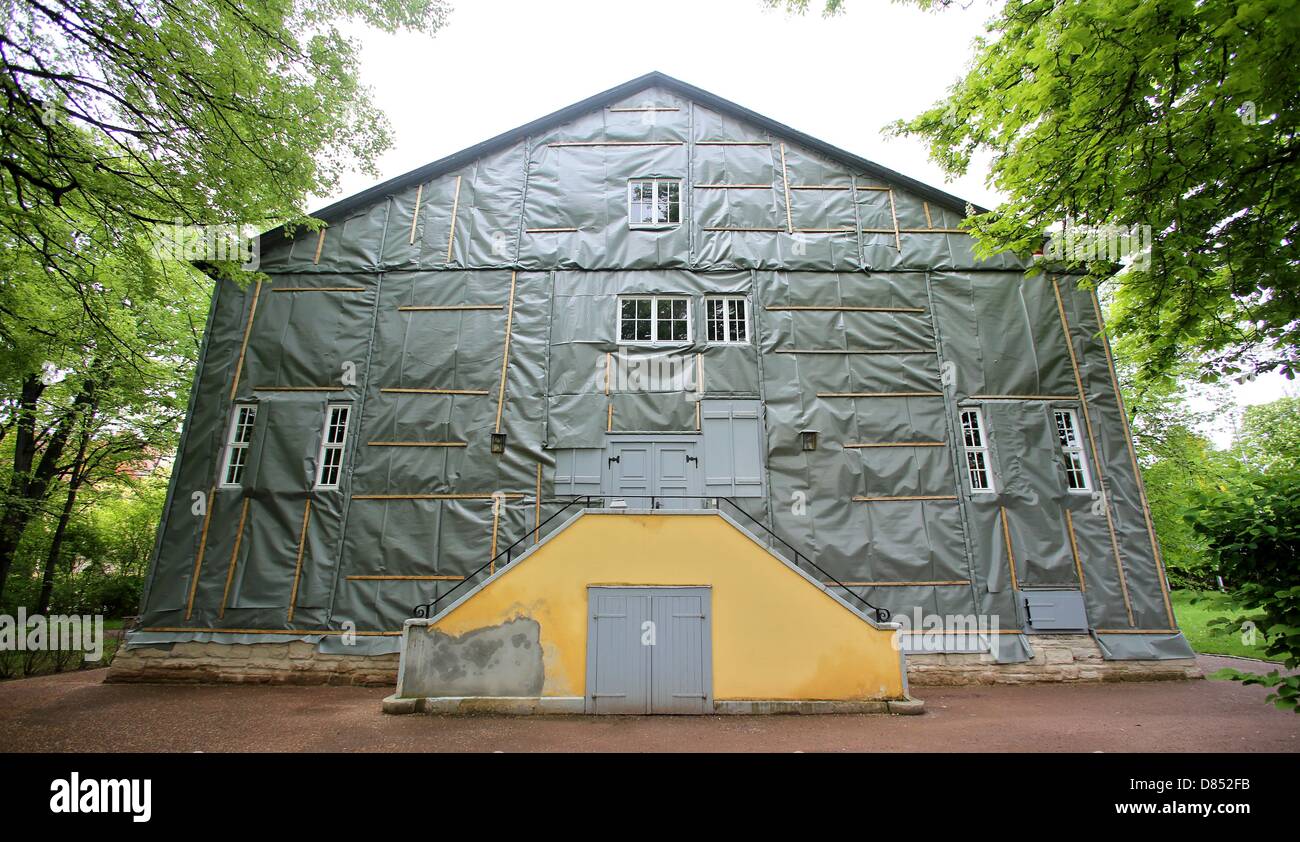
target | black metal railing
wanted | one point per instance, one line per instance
(656, 501)
(426, 609)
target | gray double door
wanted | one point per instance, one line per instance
(664, 471)
(649, 650)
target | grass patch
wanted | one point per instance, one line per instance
(1195, 609)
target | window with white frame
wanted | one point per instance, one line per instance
(239, 437)
(332, 444)
(726, 318)
(1072, 455)
(654, 318)
(654, 202)
(976, 447)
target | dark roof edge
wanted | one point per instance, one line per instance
(459, 159)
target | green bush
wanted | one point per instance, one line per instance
(1253, 530)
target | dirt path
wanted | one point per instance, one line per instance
(76, 712)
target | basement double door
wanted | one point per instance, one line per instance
(649, 650)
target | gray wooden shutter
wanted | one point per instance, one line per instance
(733, 447)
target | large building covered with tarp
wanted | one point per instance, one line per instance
(654, 298)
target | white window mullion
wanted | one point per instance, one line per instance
(975, 449)
(333, 442)
(238, 439)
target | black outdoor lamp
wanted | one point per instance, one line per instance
(809, 439)
(498, 442)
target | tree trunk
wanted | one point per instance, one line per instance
(28, 486)
(75, 479)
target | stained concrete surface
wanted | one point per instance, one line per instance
(77, 712)
(504, 660)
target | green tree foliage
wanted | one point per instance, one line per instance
(1270, 435)
(1254, 532)
(120, 116)
(1175, 114)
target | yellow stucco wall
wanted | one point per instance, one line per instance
(775, 636)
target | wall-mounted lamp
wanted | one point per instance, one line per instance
(498, 442)
(808, 438)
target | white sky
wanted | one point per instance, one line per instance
(501, 63)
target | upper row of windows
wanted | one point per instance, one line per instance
(667, 318)
(975, 444)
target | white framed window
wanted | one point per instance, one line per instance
(726, 319)
(238, 438)
(975, 446)
(1073, 458)
(654, 319)
(333, 440)
(654, 202)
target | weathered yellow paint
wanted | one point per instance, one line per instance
(775, 635)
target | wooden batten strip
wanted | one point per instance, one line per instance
(838, 309)
(234, 559)
(825, 230)
(509, 496)
(1074, 550)
(402, 391)
(608, 364)
(896, 231)
(415, 216)
(417, 444)
(893, 213)
(198, 559)
(1135, 631)
(936, 584)
(699, 374)
(319, 289)
(505, 356)
(609, 418)
(1011, 556)
(644, 108)
(746, 230)
(455, 209)
(272, 631)
(590, 143)
(550, 230)
(1096, 459)
(537, 505)
(875, 188)
(894, 352)
(1132, 455)
(297, 570)
(821, 186)
(732, 186)
(320, 245)
(299, 388)
(438, 308)
(1024, 397)
(880, 394)
(785, 181)
(496, 520)
(929, 222)
(733, 143)
(903, 497)
(868, 444)
(405, 578)
(243, 345)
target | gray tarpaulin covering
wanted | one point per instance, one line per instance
(480, 295)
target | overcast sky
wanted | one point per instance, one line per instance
(501, 63)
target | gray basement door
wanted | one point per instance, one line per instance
(649, 650)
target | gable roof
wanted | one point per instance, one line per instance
(424, 174)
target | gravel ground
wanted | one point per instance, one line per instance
(77, 713)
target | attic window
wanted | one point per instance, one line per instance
(1072, 456)
(654, 202)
